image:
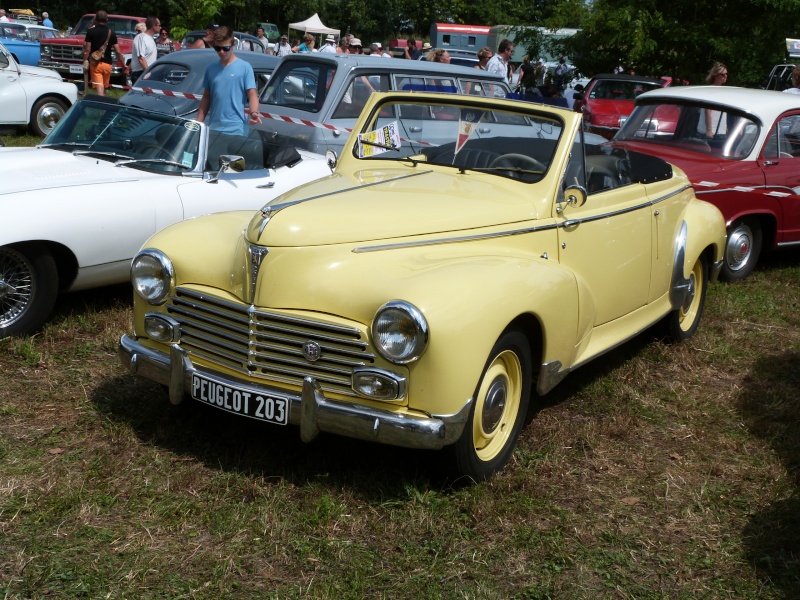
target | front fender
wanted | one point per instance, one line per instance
(705, 230)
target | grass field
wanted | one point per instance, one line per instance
(658, 471)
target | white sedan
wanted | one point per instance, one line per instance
(32, 95)
(79, 206)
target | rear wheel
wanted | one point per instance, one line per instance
(742, 249)
(45, 114)
(498, 411)
(682, 322)
(28, 288)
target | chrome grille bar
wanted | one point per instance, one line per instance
(268, 345)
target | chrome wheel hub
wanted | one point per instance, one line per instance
(494, 404)
(737, 252)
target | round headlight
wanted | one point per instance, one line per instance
(151, 275)
(400, 332)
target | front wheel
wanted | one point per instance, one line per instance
(45, 114)
(682, 323)
(498, 410)
(28, 289)
(742, 249)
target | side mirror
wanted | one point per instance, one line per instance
(331, 159)
(574, 195)
(231, 162)
(228, 163)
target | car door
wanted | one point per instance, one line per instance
(13, 104)
(606, 242)
(780, 159)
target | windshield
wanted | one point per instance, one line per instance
(120, 25)
(516, 142)
(717, 130)
(115, 132)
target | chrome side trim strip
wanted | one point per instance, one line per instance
(453, 240)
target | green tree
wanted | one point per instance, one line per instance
(682, 38)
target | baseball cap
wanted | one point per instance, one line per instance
(212, 25)
(355, 42)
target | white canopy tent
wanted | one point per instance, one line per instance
(313, 25)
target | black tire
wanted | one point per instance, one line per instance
(742, 250)
(681, 324)
(45, 114)
(489, 436)
(28, 288)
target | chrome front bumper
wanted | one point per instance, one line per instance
(64, 67)
(310, 410)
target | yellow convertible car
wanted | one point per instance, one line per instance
(464, 256)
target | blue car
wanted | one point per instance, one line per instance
(22, 47)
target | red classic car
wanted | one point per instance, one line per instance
(740, 149)
(609, 98)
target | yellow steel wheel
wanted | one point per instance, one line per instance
(497, 405)
(683, 321)
(498, 411)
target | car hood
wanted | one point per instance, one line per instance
(392, 204)
(169, 105)
(34, 169)
(38, 72)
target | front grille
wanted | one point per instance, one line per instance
(267, 345)
(66, 52)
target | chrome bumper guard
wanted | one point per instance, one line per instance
(310, 410)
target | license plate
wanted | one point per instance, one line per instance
(240, 401)
(78, 69)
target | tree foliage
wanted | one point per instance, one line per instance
(680, 38)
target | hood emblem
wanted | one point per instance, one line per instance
(256, 254)
(312, 351)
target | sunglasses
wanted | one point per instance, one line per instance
(222, 48)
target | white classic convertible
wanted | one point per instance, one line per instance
(32, 95)
(78, 207)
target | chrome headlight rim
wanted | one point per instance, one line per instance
(167, 278)
(420, 326)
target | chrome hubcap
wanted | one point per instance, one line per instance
(738, 249)
(690, 292)
(494, 404)
(49, 116)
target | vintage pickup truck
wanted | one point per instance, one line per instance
(65, 55)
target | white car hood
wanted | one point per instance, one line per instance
(39, 72)
(33, 169)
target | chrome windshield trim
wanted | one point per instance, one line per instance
(452, 240)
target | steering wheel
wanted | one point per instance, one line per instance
(155, 151)
(518, 161)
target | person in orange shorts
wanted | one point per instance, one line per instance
(101, 37)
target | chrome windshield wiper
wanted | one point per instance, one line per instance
(101, 153)
(163, 161)
(64, 145)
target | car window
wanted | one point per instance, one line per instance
(475, 87)
(620, 90)
(357, 93)
(784, 139)
(444, 84)
(701, 128)
(301, 86)
(170, 74)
